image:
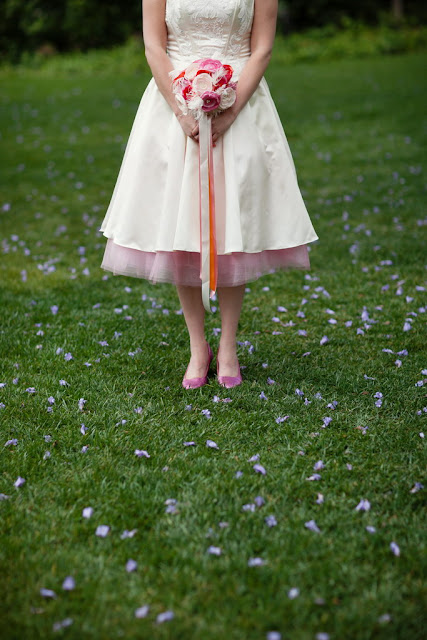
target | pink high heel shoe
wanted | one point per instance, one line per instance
(195, 383)
(227, 381)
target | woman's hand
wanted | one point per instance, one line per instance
(189, 125)
(221, 123)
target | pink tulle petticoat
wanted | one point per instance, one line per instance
(183, 267)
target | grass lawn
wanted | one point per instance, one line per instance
(336, 423)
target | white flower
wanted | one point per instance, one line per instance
(195, 103)
(228, 98)
(191, 70)
(202, 83)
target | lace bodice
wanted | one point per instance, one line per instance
(218, 29)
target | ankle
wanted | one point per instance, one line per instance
(227, 346)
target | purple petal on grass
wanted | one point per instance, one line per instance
(311, 524)
(3, 496)
(254, 458)
(189, 443)
(216, 551)
(131, 565)
(326, 420)
(211, 444)
(395, 548)
(69, 583)
(206, 413)
(9, 442)
(19, 482)
(320, 499)
(259, 501)
(83, 429)
(54, 309)
(324, 340)
(141, 452)
(238, 474)
(30, 390)
(47, 593)
(315, 476)
(262, 396)
(293, 593)
(68, 357)
(281, 419)
(319, 465)
(249, 507)
(84, 448)
(384, 618)
(164, 616)
(61, 624)
(51, 400)
(102, 530)
(322, 635)
(256, 562)
(87, 512)
(273, 635)
(171, 508)
(417, 487)
(270, 521)
(82, 403)
(370, 529)
(141, 612)
(63, 383)
(259, 469)
(364, 505)
(128, 534)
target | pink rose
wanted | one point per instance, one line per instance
(209, 64)
(211, 101)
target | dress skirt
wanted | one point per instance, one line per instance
(152, 222)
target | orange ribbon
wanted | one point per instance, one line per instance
(208, 249)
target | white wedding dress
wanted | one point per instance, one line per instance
(152, 222)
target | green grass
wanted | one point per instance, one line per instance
(357, 133)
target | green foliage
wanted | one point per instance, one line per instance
(352, 40)
(28, 26)
(66, 25)
(330, 42)
(300, 14)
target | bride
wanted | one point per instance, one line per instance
(261, 223)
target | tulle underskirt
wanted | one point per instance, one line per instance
(183, 267)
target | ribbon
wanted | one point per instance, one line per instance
(208, 254)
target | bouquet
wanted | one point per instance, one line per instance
(205, 86)
(205, 89)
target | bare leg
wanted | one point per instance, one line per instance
(230, 304)
(194, 314)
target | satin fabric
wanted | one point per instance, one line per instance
(154, 208)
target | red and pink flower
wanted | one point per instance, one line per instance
(205, 86)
